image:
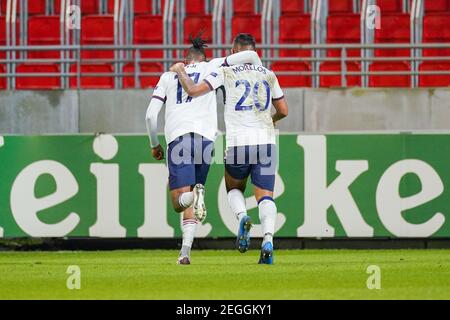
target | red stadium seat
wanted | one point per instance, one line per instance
(295, 30)
(44, 30)
(293, 80)
(436, 5)
(195, 7)
(429, 80)
(340, 6)
(33, 83)
(93, 82)
(247, 24)
(2, 79)
(97, 30)
(195, 24)
(142, 25)
(146, 81)
(140, 6)
(34, 7)
(395, 28)
(389, 80)
(436, 29)
(292, 7)
(87, 6)
(390, 6)
(335, 80)
(344, 28)
(244, 7)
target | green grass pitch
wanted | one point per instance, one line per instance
(297, 274)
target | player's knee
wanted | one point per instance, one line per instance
(266, 201)
(178, 208)
(176, 204)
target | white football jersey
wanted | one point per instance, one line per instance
(249, 90)
(184, 114)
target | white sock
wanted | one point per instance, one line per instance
(186, 199)
(236, 201)
(267, 215)
(188, 227)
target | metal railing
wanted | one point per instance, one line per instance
(133, 55)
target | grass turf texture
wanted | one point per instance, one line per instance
(297, 274)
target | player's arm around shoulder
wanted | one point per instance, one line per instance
(192, 89)
(279, 102)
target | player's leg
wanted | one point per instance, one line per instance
(188, 227)
(236, 174)
(263, 179)
(203, 154)
(267, 215)
(181, 179)
(182, 198)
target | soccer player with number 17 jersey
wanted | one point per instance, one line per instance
(190, 130)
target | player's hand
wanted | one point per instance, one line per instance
(158, 153)
(177, 67)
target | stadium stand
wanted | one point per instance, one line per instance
(343, 26)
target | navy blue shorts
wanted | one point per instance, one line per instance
(188, 159)
(257, 161)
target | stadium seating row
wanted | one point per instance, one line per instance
(106, 81)
(240, 7)
(343, 27)
(90, 80)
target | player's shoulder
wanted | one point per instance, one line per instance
(216, 62)
(168, 75)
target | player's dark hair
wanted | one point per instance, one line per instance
(245, 40)
(198, 47)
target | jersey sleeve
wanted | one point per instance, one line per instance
(215, 64)
(160, 91)
(215, 79)
(277, 92)
(243, 57)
